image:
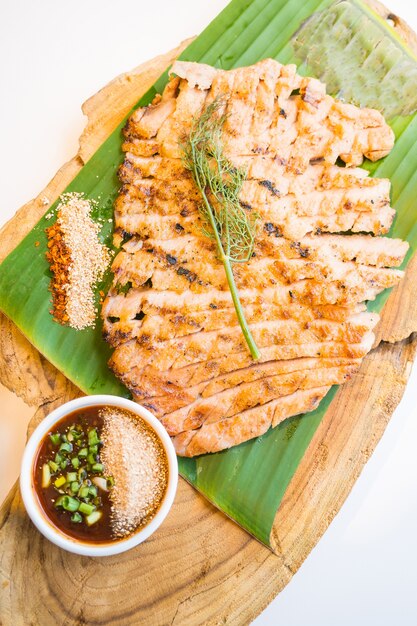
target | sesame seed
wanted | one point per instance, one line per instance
(134, 455)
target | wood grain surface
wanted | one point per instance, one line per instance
(199, 567)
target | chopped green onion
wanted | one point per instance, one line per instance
(58, 458)
(86, 508)
(93, 437)
(92, 491)
(53, 466)
(93, 517)
(59, 482)
(78, 471)
(83, 492)
(55, 438)
(91, 458)
(65, 447)
(68, 503)
(46, 475)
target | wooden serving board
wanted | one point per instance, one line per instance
(199, 567)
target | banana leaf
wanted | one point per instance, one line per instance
(337, 43)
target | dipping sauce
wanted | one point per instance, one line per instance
(101, 474)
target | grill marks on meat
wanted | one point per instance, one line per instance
(172, 264)
(325, 200)
(193, 414)
(169, 313)
(146, 382)
(231, 431)
(203, 346)
(156, 324)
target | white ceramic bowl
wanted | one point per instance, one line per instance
(33, 506)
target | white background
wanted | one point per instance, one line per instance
(53, 56)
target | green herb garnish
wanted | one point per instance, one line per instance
(232, 227)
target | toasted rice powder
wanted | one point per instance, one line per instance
(78, 261)
(134, 456)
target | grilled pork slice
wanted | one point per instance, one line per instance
(314, 192)
(317, 176)
(147, 381)
(208, 345)
(169, 302)
(276, 218)
(378, 223)
(178, 414)
(172, 265)
(169, 313)
(298, 269)
(265, 116)
(271, 368)
(185, 306)
(124, 319)
(295, 370)
(231, 431)
(357, 204)
(149, 312)
(180, 396)
(363, 249)
(270, 224)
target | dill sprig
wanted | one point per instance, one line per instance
(225, 220)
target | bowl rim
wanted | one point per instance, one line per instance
(30, 498)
